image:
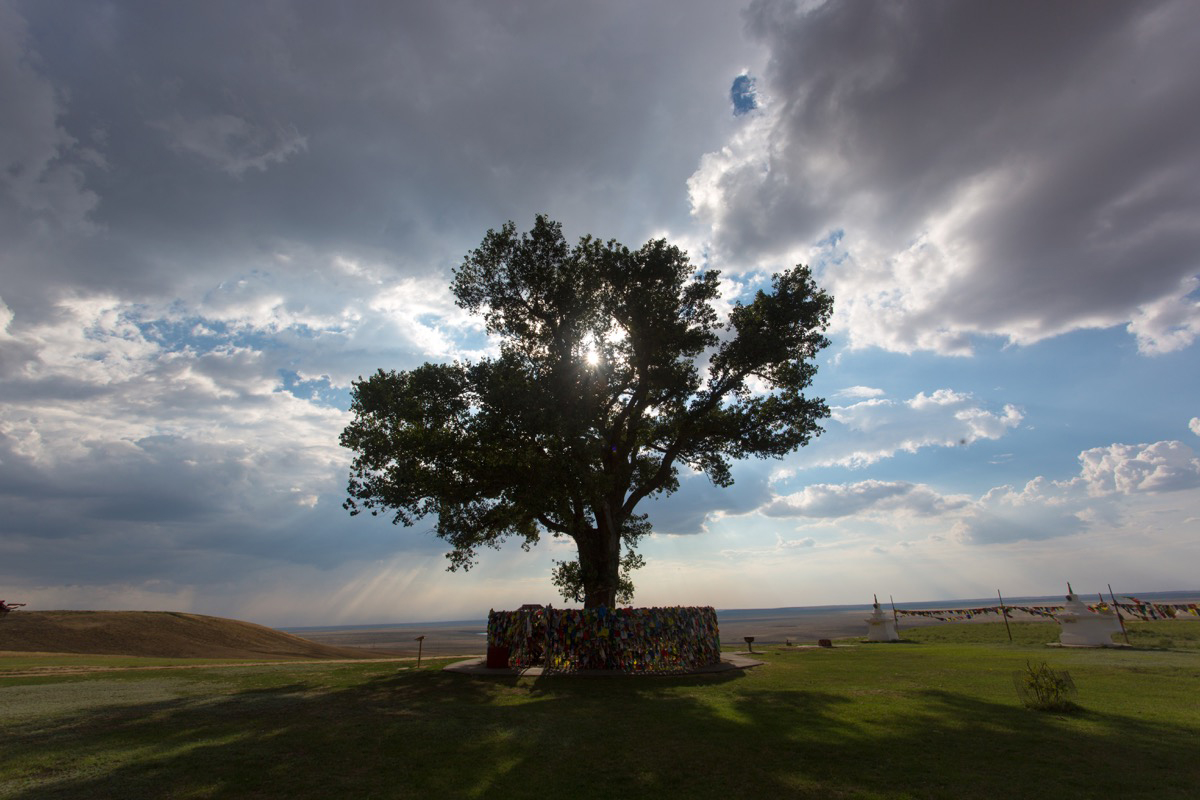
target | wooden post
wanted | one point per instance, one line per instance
(420, 647)
(1117, 609)
(1004, 613)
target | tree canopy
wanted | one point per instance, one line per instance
(614, 369)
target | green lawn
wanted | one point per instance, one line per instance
(933, 717)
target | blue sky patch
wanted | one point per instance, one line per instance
(743, 95)
(318, 391)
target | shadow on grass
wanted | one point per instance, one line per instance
(427, 733)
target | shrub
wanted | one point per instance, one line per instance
(1044, 689)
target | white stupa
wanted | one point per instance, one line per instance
(1082, 627)
(880, 627)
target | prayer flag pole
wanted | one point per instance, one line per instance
(1117, 609)
(1004, 613)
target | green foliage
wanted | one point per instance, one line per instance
(614, 370)
(1044, 689)
(567, 577)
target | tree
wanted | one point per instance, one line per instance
(614, 369)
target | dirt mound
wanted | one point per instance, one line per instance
(162, 634)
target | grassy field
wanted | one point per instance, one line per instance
(936, 716)
(159, 634)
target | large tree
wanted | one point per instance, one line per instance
(614, 369)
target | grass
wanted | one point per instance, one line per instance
(934, 717)
(11, 662)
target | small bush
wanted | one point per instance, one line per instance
(1044, 689)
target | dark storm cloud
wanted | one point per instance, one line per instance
(389, 129)
(180, 510)
(1021, 168)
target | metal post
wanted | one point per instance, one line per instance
(1117, 609)
(1004, 613)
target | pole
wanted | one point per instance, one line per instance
(1004, 613)
(1117, 609)
(420, 647)
(895, 617)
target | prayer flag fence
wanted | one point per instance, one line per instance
(643, 640)
(1143, 611)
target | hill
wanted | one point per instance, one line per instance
(161, 634)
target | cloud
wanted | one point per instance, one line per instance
(698, 502)
(1038, 511)
(42, 167)
(970, 192)
(202, 250)
(126, 452)
(856, 436)
(1127, 469)
(1115, 484)
(782, 549)
(230, 143)
(1170, 323)
(859, 391)
(1194, 425)
(831, 501)
(865, 432)
(214, 220)
(353, 136)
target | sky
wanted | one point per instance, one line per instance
(214, 216)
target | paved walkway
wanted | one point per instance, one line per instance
(477, 666)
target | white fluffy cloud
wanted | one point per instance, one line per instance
(1169, 323)
(1128, 469)
(1117, 487)
(1113, 483)
(178, 438)
(856, 436)
(865, 432)
(1040, 510)
(860, 391)
(950, 187)
(842, 500)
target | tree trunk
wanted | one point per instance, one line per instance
(600, 566)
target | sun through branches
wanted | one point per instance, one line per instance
(614, 370)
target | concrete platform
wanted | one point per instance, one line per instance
(478, 666)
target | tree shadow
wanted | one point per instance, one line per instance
(428, 733)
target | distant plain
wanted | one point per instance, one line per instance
(768, 626)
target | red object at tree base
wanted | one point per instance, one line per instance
(497, 657)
